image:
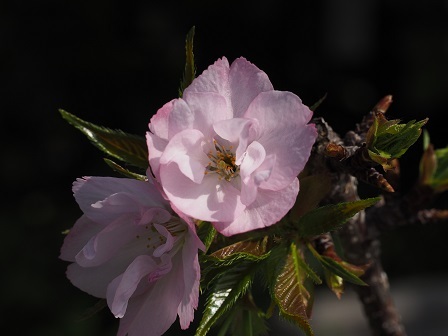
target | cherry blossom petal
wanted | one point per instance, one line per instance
(214, 79)
(153, 313)
(254, 157)
(245, 77)
(283, 134)
(102, 246)
(156, 146)
(237, 131)
(207, 109)
(159, 122)
(211, 200)
(190, 299)
(123, 287)
(91, 190)
(94, 280)
(269, 207)
(78, 237)
(168, 245)
(186, 150)
(180, 118)
(239, 84)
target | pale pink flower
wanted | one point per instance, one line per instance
(130, 248)
(230, 150)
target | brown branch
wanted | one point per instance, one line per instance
(347, 162)
(406, 210)
(360, 239)
(356, 161)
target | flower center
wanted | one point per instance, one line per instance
(222, 162)
(153, 238)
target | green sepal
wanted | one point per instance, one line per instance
(123, 171)
(388, 139)
(95, 309)
(439, 180)
(334, 282)
(434, 166)
(289, 292)
(338, 268)
(317, 104)
(126, 147)
(330, 217)
(206, 233)
(190, 67)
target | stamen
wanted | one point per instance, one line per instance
(222, 162)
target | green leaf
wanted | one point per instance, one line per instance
(245, 319)
(126, 147)
(227, 288)
(330, 217)
(226, 259)
(302, 266)
(290, 294)
(336, 268)
(190, 68)
(207, 233)
(256, 248)
(313, 189)
(388, 139)
(116, 167)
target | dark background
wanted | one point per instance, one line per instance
(115, 63)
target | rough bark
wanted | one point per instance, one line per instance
(360, 239)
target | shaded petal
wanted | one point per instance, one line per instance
(152, 313)
(255, 155)
(90, 190)
(212, 200)
(269, 207)
(168, 245)
(192, 276)
(123, 287)
(186, 150)
(108, 241)
(153, 215)
(78, 236)
(156, 146)
(94, 280)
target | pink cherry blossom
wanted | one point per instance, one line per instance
(130, 248)
(230, 150)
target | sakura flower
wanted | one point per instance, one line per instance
(230, 150)
(131, 249)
